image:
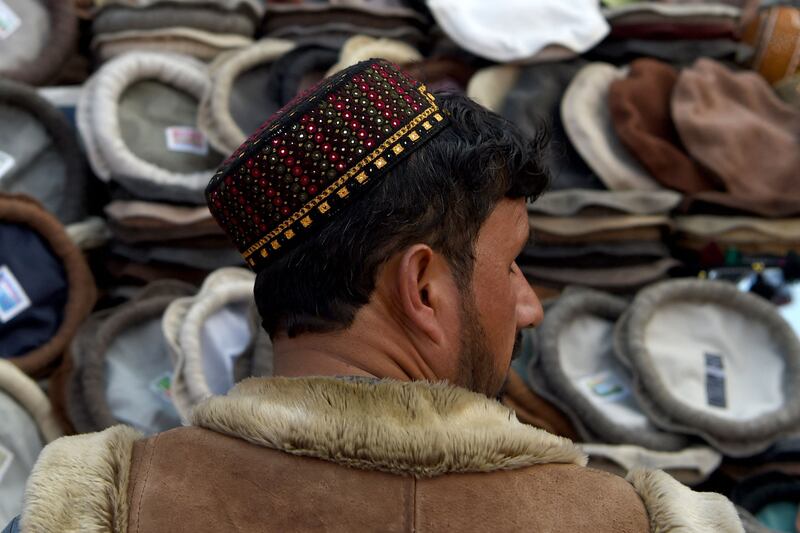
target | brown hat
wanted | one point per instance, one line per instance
(36, 40)
(775, 34)
(640, 111)
(735, 126)
(48, 287)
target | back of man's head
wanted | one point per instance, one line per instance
(440, 195)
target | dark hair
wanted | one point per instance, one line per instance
(440, 195)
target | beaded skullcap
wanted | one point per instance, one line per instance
(317, 155)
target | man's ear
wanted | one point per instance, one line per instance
(426, 291)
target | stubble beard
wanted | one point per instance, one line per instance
(476, 363)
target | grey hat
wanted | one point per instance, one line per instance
(193, 255)
(236, 101)
(617, 278)
(594, 255)
(711, 361)
(337, 20)
(577, 368)
(28, 425)
(138, 119)
(36, 38)
(534, 98)
(681, 52)
(39, 153)
(254, 7)
(571, 202)
(208, 18)
(121, 371)
(215, 339)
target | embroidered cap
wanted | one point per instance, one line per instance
(317, 154)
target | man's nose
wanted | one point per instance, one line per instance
(529, 308)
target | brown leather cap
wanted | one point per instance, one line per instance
(735, 126)
(640, 111)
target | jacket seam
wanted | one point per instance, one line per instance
(146, 478)
(414, 503)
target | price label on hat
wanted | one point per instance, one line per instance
(187, 140)
(13, 298)
(9, 21)
(606, 386)
(6, 458)
(6, 163)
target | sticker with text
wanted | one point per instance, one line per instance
(606, 386)
(6, 458)
(6, 163)
(13, 298)
(186, 139)
(9, 21)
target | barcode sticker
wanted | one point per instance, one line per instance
(9, 21)
(715, 381)
(186, 139)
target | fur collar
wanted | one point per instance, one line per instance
(424, 429)
(80, 483)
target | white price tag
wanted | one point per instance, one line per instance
(13, 298)
(186, 139)
(9, 21)
(6, 163)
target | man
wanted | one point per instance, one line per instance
(383, 223)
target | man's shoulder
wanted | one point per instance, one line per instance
(535, 497)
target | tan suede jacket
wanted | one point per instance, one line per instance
(321, 454)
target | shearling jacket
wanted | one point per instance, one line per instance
(328, 454)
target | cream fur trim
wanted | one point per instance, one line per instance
(80, 484)
(414, 428)
(182, 324)
(27, 393)
(214, 115)
(97, 117)
(674, 507)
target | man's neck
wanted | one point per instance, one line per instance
(370, 347)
